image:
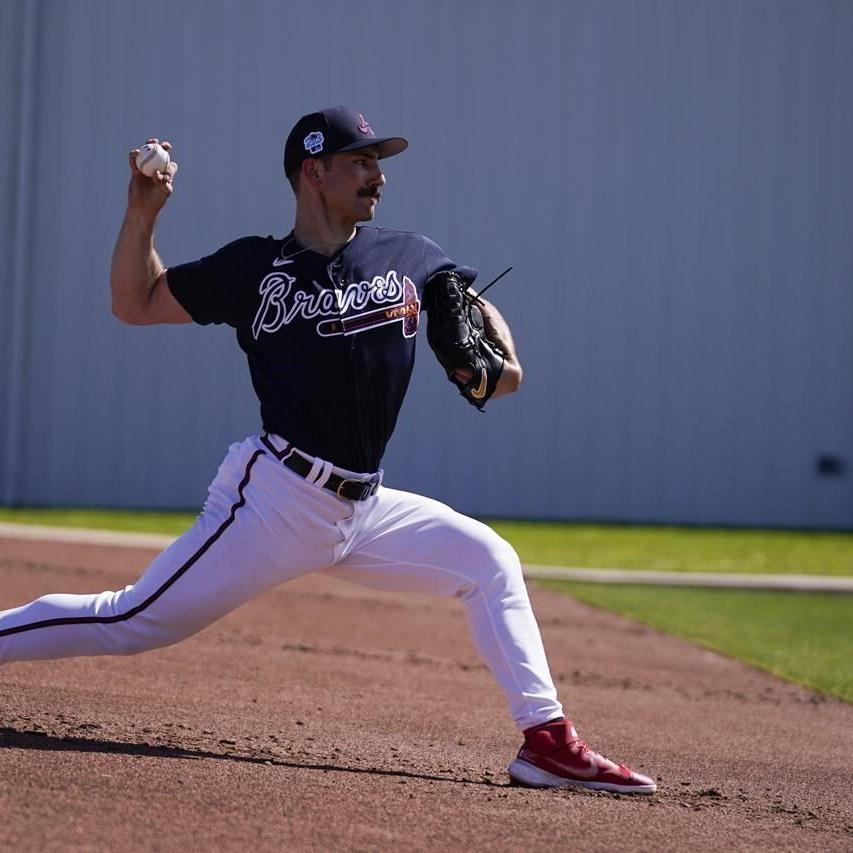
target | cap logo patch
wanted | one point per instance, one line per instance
(314, 142)
(364, 127)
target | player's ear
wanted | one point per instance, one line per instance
(311, 171)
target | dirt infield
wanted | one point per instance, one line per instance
(326, 717)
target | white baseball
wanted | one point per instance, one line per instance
(152, 158)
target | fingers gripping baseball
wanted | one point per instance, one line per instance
(152, 171)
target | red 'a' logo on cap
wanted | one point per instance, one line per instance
(364, 127)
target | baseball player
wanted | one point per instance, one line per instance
(327, 317)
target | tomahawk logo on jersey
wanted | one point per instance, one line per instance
(355, 308)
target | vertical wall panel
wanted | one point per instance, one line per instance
(670, 179)
(18, 64)
(11, 29)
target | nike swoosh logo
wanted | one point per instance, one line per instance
(590, 771)
(280, 262)
(583, 772)
(480, 392)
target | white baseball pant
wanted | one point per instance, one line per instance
(262, 525)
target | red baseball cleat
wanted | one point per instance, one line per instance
(553, 755)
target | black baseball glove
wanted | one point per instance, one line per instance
(457, 335)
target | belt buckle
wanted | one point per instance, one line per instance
(360, 484)
(367, 489)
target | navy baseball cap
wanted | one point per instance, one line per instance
(332, 130)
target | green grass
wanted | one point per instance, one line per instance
(680, 549)
(103, 519)
(803, 637)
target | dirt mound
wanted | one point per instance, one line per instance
(323, 716)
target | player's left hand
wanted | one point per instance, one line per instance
(497, 331)
(457, 334)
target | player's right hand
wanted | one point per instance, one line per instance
(148, 195)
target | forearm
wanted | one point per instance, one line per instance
(498, 331)
(136, 266)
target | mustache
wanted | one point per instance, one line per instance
(370, 192)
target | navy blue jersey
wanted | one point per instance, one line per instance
(330, 340)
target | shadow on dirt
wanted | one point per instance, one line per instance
(29, 739)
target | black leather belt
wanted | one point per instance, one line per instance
(349, 490)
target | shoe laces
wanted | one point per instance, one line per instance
(583, 749)
(587, 753)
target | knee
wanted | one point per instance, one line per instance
(499, 570)
(125, 629)
(138, 625)
(510, 572)
(506, 558)
(138, 635)
(143, 632)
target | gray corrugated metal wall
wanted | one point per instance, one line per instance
(17, 71)
(671, 179)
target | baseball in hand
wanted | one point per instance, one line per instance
(152, 158)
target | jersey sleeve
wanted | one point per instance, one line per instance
(212, 289)
(436, 261)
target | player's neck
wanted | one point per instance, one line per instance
(322, 236)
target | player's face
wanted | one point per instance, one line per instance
(352, 184)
